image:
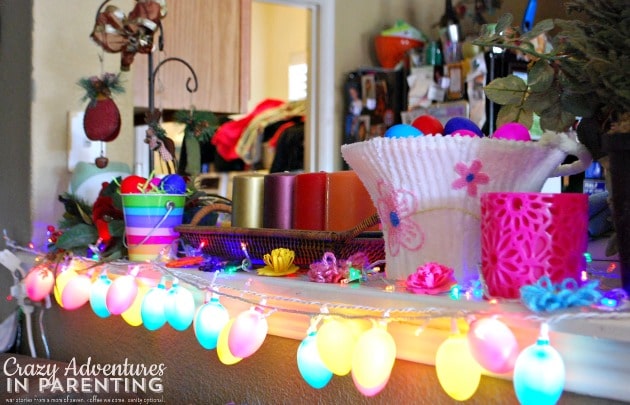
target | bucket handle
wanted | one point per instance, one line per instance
(568, 143)
(170, 206)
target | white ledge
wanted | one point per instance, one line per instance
(595, 349)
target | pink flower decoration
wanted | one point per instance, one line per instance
(471, 177)
(432, 278)
(395, 207)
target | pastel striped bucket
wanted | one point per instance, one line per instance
(150, 221)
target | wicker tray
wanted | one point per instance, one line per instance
(309, 246)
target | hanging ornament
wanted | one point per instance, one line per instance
(101, 121)
(131, 34)
(539, 372)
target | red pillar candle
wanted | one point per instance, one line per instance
(347, 201)
(278, 202)
(309, 201)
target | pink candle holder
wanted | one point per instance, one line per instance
(528, 235)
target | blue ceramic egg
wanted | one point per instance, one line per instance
(456, 123)
(173, 184)
(402, 131)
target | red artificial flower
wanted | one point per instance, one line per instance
(103, 212)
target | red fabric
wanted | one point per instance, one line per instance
(227, 135)
(274, 139)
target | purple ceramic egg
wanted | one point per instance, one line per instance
(513, 131)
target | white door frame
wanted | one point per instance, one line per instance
(321, 146)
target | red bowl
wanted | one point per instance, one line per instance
(390, 50)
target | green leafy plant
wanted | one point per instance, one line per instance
(583, 74)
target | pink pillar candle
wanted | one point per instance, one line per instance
(278, 201)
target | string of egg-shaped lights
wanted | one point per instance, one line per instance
(334, 344)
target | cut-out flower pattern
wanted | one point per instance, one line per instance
(395, 207)
(470, 177)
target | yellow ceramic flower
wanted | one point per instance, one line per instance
(279, 263)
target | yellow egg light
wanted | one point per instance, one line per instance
(223, 349)
(61, 282)
(373, 360)
(458, 372)
(336, 341)
(133, 315)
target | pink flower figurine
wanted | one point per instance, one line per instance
(431, 278)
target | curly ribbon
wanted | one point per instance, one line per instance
(131, 34)
(329, 270)
(545, 296)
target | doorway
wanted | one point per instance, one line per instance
(321, 143)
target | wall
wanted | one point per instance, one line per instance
(272, 48)
(16, 25)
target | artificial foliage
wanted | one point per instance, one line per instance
(105, 85)
(97, 227)
(582, 75)
(199, 127)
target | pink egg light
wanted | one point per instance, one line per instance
(122, 293)
(248, 332)
(39, 283)
(493, 345)
(77, 292)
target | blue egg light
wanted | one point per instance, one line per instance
(98, 294)
(310, 365)
(152, 309)
(179, 307)
(209, 321)
(539, 373)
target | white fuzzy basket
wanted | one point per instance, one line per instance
(427, 190)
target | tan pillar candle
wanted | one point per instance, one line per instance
(247, 200)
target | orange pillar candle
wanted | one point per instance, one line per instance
(347, 201)
(309, 201)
